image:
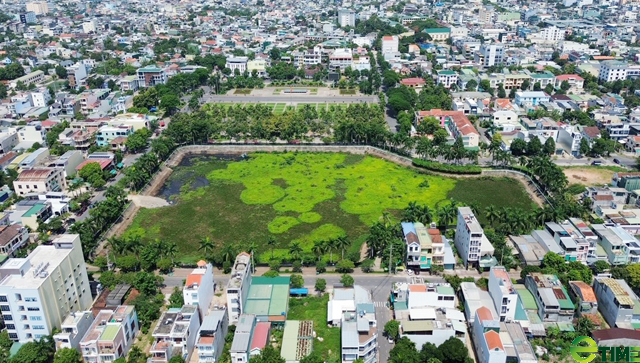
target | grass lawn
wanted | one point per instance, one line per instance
(301, 105)
(315, 308)
(304, 197)
(271, 105)
(501, 192)
(321, 106)
(347, 92)
(240, 91)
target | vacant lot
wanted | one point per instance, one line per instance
(590, 175)
(304, 197)
(315, 308)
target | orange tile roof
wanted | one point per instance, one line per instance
(418, 288)
(193, 279)
(202, 263)
(484, 314)
(585, 290)
(493, 340)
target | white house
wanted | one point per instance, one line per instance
(198, 289)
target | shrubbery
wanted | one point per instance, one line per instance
(446, 168)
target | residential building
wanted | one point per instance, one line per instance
(107, 133)
(346, 17)
(32, 133)
(620, 246)
(73, 328)
(447, 78)
(35, 213)
(238, 286)
(552, 34)
(486, 336)
(472, 245)
(532, 98)
(129, 83)
(38, 292)
(616, 337)
(241, 345)
(175, 334)
(40, 180)
(111, 335)
(354, 311)
(8, 140)
(89, 26)
(198, 289)
(554, 303)
(390, 44)
(341, 58)
(211, 336)
(490, 54)
(38, 7)
(617, 302)
(150, 76)
(12, 237)
(575, 82)
(425, 247)
(504, 295)
(457, 125)
(239, 63)
(585, 298)
(612, 70)
(416, 83)
(260, 66)
(77, 75)
(629, 181)
(438, 34)
(27, 17)
(33, 77)
(68, 162)
(34, 159)
(136, 120)
(40, 98)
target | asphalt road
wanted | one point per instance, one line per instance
(378, 284)
(296, 98)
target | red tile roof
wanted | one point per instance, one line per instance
(418, 288)
(193, 279)
(464, 126)
(260, 335)
(484, 314)
(585, 290)
(415, 81)
(103, 163)
(566, 77)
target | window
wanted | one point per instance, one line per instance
(38, 327)
(30, 299)
(5, 308)
(7, 317)
(35, 318)
(33, 309)
(3, 298)
(11, 327)
(13, 336)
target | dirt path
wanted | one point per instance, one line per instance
(147, 201)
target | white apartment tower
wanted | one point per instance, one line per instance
(38, 292)
(38, 7)
(490, 54)
(238, 286)
(611, 71)
(346, 17)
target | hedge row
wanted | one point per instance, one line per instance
(446, 168)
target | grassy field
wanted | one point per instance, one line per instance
(315, 308)
(302, 197)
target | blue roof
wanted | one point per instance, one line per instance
(408, 228)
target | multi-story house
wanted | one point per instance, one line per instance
(241, 346)
(110, 335)
(198, 289)
(620, 246)
(12, 237)
(531, 98)
(108, 133)
(357, 318)
(129, 83)
(490, 54)
(239, 63)
(504, 295)
(575, 82)
(346, 17)
(175, 334)
(32, 133)
(8, 139)
(584, 296)
(473, 246)
(543, 78)
(341, 58)
(390, 44)
(150, 76)
(612, 70)
(572, 242)
(68, 162)
(77, 75)
(457, 125)
(37, 292)
(73, 328)
(211, 336)
(486, 336)
(40, 180)
(40, 98)
(617, 302)
(447, 78)
(238, 286)
(425, 247)
(553, 300)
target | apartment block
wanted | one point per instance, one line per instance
(38, 7)
(175, 334)
(239, 63)
(611, 71)
(12, 237)
(346, 17)
(617, 302)
(473, 246)
(39, 180)
(106, 134)
(489, 55)
(553, 300)
(151, 76)
(110, 336)
(211, 337)
(33, 77)
(238, 286)
(390, 44)
(198, 289)
(39, 291)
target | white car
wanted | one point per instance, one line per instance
(390, 340)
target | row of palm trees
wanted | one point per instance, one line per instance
(133, 244)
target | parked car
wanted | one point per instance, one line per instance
(596, 162)
(617, 161)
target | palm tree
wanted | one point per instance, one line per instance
(252, 248)
(330, 245)
(170, 250)
(341, 244)
(271, 242)
(491, 213)
(206, 246)
(228, 252)
(118, 247)
(134, 245)
(295, 251)
(425, 216)
(411, 212)
(318, 249)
